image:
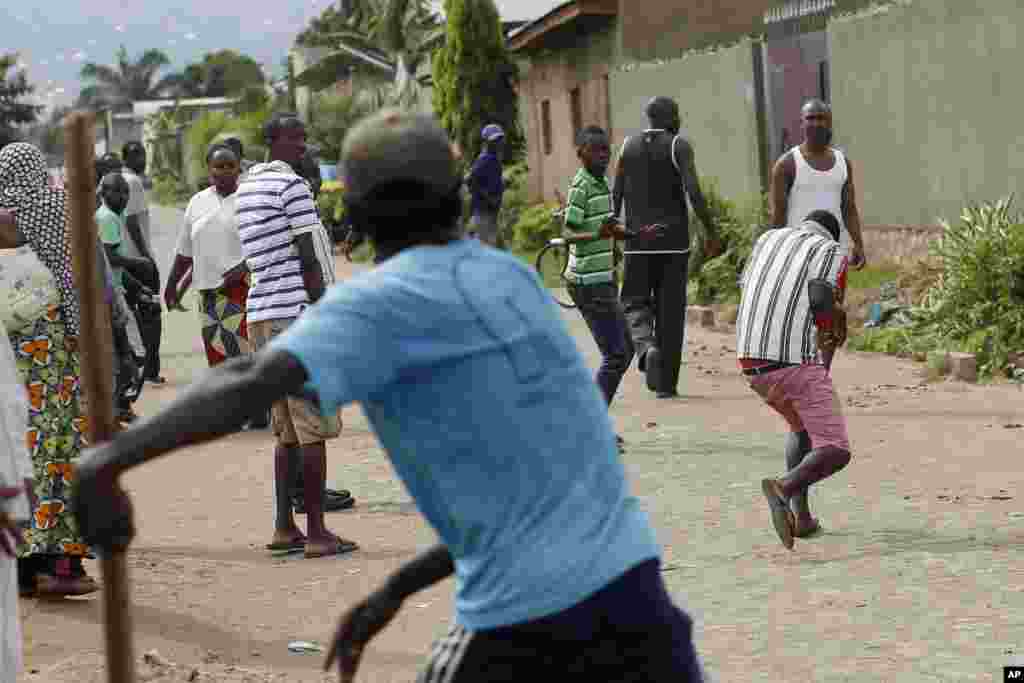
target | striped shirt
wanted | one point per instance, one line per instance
(775, 322)
(589, 206)
(274, 207)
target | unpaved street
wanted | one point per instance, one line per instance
(918, 577)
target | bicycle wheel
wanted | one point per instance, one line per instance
(551, 263)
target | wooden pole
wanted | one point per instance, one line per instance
(95, 344)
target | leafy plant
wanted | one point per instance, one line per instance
(331, 118)
(534, 227)
(739, 225)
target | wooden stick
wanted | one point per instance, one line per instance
(95, 345)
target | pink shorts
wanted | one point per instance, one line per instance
(805, 398)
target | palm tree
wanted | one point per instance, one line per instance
(127, 81)
(402, 31)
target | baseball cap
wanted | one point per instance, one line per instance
(392, 146)
(492, 131)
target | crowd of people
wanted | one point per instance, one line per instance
(563, 576)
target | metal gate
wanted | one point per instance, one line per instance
(796, 68)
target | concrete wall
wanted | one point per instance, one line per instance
(927, 100)
(716, 98)
(578, 60)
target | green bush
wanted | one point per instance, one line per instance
(331, 203)
(513, 202)
(170, 191)
(976, 305)
(739, 226)
(535, 227)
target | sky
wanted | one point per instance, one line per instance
(53, 39)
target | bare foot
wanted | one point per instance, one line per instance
(329, 545)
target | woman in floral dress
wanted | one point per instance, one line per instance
(47, 358)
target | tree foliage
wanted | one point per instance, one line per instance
(221, 74)
(474, 77)
(127, 80)
(401, 32)
(331, 117)
(14, 109)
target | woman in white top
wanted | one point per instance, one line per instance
(210, 247)
(15, 487)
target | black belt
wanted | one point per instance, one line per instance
(765, 369)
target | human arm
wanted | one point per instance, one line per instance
(826, 299)
(297, 200)
(174, 290)
(215, 406)
(851, 217)
(687, 164)
(783, 176)
(366, 619)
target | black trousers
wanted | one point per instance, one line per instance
(654, 298)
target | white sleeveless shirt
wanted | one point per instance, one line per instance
(813, 190)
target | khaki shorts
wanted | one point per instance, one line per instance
(296, 422)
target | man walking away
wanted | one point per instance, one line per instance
(656, 172)
(790, 324)
(816, 176)
(148, 311)
(487, 186)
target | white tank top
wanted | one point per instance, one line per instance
(813, 190)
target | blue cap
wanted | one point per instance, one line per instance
(492, 132)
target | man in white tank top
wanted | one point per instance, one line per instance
(815, 176)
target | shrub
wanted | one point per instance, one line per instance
(513, 202)
(976, 304)
(739, 226)
(535, 227)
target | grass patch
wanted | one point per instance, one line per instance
(872, 277)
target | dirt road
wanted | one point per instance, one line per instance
(918, 577)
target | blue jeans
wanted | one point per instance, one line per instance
(600, 307)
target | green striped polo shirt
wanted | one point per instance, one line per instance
(589, 206)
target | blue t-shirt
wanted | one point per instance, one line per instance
(486, 175)
(490, 417)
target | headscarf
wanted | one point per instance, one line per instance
(41, 216)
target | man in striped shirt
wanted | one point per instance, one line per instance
(589, 229)
(289, 254)
(790, 323)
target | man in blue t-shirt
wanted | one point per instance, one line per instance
(490, 417)
(487, 186)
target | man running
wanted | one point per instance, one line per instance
(790, 323)
(656, 172)
(556, 567)
(816, 176)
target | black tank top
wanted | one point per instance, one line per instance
(653, 192)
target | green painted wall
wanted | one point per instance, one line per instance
(716, 97)
(927, 98)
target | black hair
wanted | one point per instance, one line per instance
(219, 146)
(236, 145)
(111, 176)
(132, 148)
(662, 111)
(587, 135)
(827, 220)
(279, 121)
(406, 212)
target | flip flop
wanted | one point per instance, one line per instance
(782, 517)
(288, 547)
(340, 548)
(812, 531)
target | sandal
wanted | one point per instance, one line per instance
(341, 547)
(782, 517)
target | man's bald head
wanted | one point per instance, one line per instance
(663, 112)
(816, 122)
(816, 106)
